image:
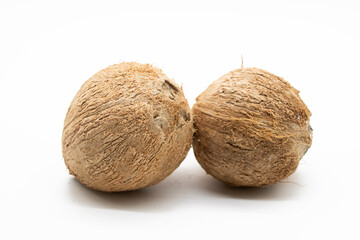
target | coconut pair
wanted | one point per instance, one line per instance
(130, 126)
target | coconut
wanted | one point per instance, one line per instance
(128, 127)
(251, 128)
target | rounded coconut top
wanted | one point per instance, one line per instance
(255, 89)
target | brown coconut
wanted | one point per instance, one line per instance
(251, 128)
(128, 127)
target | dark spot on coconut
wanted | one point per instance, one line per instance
(238, 147)
(167, 82)
(310, 128)
(185, 115)
(155, 114)
(160, 121)
(170, 89)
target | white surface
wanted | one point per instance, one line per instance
(47, 50)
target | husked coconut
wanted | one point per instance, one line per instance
(128, 127)
(251, 128)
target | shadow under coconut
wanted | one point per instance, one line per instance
(187, 185)
(143, 200)
(281, 191)
(274, 192)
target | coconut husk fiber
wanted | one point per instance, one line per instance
(251, 128)
(128, 127)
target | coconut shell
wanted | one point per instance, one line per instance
(128, 127)
(251, 128)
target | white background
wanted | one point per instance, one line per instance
(48, 49)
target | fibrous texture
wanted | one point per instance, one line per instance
(128, 127)
(251, 128)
